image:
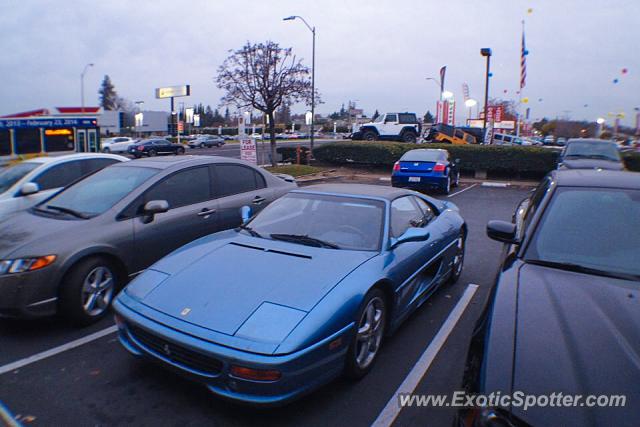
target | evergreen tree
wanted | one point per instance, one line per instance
(428, 118)
(375, 115)
(108, 95)
(227, 116)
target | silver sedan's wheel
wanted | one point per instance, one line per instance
(97, 291)
(370, 331)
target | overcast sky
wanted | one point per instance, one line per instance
(376, 52)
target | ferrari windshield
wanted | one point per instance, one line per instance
(338, 222)
(597, 229)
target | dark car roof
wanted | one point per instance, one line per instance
(168, 162)
(379, 191)
(596, 178)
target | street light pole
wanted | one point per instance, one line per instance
(487, 53)
(82, 85)
(313, 74)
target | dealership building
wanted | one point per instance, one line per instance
(71, 129)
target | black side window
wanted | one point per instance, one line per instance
(535, 201)
(404, 214)
(391, 118)
(183, 188)
(236, 179)
(60, 175)
(93, 165)
(428, 212)
(407, 119)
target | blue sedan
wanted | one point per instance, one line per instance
(301, 293)
(426, 169)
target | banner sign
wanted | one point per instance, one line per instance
(248, 150)
(173, 91)
(495, 113)
(48, 123)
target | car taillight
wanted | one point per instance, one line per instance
(396, 167)
(255, 374)
(141, 148)
(439, 167)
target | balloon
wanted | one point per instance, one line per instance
(490, 74)
(525, 100)
(539, 99)
(615, 81)
(625, 71)
(530, 11)
(586, 105)
(505, 91)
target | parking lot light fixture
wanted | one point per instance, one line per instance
(447, 95)
(486, 52)
(84, 71)
(313, 74)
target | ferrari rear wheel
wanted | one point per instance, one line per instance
(458, 260)
(365, 345)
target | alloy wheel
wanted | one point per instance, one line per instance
(97, 291)
(370, 332)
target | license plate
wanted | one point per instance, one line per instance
(414, 179)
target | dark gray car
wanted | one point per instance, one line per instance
(72, 253)
(591, 154)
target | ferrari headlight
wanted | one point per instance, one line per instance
(20, 265)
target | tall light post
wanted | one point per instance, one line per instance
(486, 52)
(313, 74)
(139, 117)
(82, 85)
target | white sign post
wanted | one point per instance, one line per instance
(248, 151)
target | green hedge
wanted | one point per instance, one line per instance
(289, 154)
(505, 160)
(632, 161)
(498, 159)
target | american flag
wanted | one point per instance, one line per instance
(523, 62)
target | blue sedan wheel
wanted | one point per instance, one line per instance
(365, 346)
(458, 260)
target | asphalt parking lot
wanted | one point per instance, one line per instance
(48, 379)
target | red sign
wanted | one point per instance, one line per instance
(495, 113)
(180, 126)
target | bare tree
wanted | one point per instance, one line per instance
(264, 76)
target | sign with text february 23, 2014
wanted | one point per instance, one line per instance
(248, 150)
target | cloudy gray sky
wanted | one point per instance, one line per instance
(376, 52)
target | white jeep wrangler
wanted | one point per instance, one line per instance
(390, 127)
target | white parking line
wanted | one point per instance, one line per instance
(392, 409)
(56, 350)
(463, 190)
(495, 184)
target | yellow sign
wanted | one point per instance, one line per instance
(55, 132)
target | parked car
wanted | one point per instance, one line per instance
(390, 126)
(561, 141)
(154, 147)
(316, 280)
(548, 140)
(206, 141)
(590, 154)
(119, 144)
(73, 252)
(564, 315)
(426, 169)
(27, 183)
(506, 139)
(445, 134)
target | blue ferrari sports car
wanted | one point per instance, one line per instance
(301, 293)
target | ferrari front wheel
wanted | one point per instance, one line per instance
(365, 345)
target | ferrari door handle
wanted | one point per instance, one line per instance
(257, 200)
(206, 212)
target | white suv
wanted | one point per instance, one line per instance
(119, 144)
(27, 183)
(391, 127)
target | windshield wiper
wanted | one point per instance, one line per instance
(582, 269)
(68, 211)
(249, 230)
(304, 240)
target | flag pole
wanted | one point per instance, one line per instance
(522, 59)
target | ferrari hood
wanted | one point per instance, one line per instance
(577, 334)
(241, 285)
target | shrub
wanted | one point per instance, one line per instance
(632, 161)
(530, 161)
(289, 154)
